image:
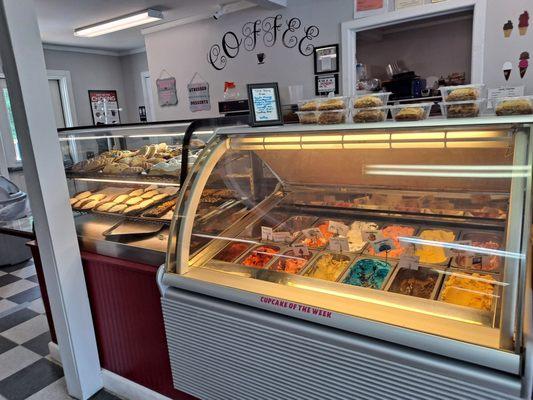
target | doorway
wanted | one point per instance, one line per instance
(148, 96)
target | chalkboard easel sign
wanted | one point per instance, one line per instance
(265, 107)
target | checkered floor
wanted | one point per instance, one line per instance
(26, 371)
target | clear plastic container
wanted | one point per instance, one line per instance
(522, 105)
(372, 114)
(371, 100)
(332, 117)
(411, 112)
(462, 109)
(462, 92)
(309, 105)
(308, 117)
(333, 103)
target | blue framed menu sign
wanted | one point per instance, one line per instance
(265, 107)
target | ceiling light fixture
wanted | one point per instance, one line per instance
(119, 23)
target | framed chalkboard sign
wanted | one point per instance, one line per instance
(265, 107)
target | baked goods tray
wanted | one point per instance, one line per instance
(132, 228)
(161, 179)
(140, 216)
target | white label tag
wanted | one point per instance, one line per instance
(266, 233)
(281, 237)
(409, 262)
(339, 244)
(508, 91)
(312, 233)
(300, 250)
(383, 245)
(338, 228)
(372, 236)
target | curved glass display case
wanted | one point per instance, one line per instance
(413, 233)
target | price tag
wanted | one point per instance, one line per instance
(372, 236)
(409, 262)
(339, 244)
(383, 245)
(338, 228)
(300, 250)
(453, 252)
(281, 237)
(312, 233)
(266, 233)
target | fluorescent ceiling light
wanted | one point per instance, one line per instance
(119, 23)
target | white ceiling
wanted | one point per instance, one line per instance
(59, 18)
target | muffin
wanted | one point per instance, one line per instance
(331, 104)
(515, 107)
(367, 102)
(410, 114)
(463, 94)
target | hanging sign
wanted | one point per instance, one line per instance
(198, 95)
(166, 91)
(104, 107)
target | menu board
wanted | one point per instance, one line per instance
(264, 104)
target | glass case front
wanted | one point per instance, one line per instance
(418, 228)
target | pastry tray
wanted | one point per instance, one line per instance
(391, 262)
(497, 292)
(139, 216)
(132, 228)
(436, 288)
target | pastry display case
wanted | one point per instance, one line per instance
(412, 233)
(124, 181)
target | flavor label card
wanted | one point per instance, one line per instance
(372, 236)
(338, 228)
(409, 262)
(281, 237)
(300, 250)
(339, 244)
(383, 245)
(267, 233)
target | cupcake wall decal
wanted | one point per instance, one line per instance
(523, 63)
(523, 23)
(507, 29)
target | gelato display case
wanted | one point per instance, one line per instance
(396, 253)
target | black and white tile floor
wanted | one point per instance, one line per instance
(26, 371)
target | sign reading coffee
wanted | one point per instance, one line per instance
(269, 31)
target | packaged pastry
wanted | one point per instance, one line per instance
(332, 117)
(375, 114)
(308, 105)
(461, 92)
(514, 106)
(461, 109)
(371, 100)
(411, 112)
(307, 117)
(334, 103)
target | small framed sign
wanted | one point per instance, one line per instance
(325, 84)
(327, 59)
(265, 106)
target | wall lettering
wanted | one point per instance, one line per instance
(268, 30)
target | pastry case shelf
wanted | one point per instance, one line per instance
(411, 233)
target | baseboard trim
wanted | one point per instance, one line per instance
(127, 389)
(53, 348)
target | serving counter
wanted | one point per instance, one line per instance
(385, 260)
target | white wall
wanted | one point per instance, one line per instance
(132, 66)
(182, 51)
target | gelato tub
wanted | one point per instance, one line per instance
(423, 282)
(394, 232)
(481, 262)
(328, 266)
(318, 242)
(355, 234)
(259, 256)
(434, 254)
(470, 290)
(271, 220)
(368, 272)
(296, 224)
(231, 252)
(291, 263)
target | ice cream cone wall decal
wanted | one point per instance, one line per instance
(523, 23)
(507, 29)
(523, 63)
(507, 68)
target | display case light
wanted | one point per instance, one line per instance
(418, 136)
(120, 23)
(158, 135)
(475, 134)
(66, 139)
(453, 172)
(417, 145)
(147, 183)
